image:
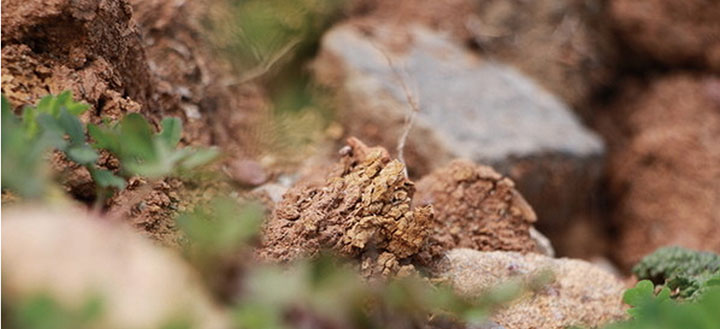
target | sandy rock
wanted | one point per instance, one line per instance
(580, 294)
(664, 173)
(469, 108)
(362, 210)
(475, 208)
(684, 33)
(72, 257)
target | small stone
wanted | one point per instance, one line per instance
(247, 172)
(580, 294)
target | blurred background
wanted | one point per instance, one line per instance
(604, 114)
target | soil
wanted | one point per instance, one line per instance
(142, 56)
(362, 210)
(675, 33)
(475, 207)
(663, 174)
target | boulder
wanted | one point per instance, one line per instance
(566, 45)
(664, 175)
(468, 107)
(579, 293)
(71, 257)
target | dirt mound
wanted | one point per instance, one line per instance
(362, 210)
(476, 208)
(671, 32)
(664, 173)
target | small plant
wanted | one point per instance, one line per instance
(659, 311)
(54, 124)
(43, 312)
(682, 270)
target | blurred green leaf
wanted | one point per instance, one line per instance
(105, 178)
(171, 132)
(222, 226)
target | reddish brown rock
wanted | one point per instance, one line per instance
(476, 208)
(664, 172)
(362, 210)
(672, 32)
(91, 47)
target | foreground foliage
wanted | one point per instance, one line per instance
(687, 296)
(54, 124)
(682, 270)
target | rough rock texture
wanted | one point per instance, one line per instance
(476, 208)
(685, 33)
(72, 257)
(664, 173)
(469, 108)
(362, 210)
(580, 294)
(563, 44)
(91, 47)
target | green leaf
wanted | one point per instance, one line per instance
(171, 132)
(82, 154)
(199, 158)
(30, 121)
(642, 292)
(137, 139)
(104, 138)
(46, 105)
(72, 126)
(105, 178)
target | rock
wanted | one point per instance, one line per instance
(71, 256)
(468, 107)
(362, 211)
(91, 47)
(664, 174)
(678, 33)
(247, 172)
(474, 207)
(580, 294)
(563, 44)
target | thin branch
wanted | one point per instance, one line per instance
(412, 102)
(266, 65)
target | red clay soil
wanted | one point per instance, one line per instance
(672, 32)
(143, 56)
(361, 211)
(664, 172)
(475, 207)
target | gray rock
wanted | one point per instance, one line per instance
(579, 294)
(468, 107)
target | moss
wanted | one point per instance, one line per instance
(682, 270)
